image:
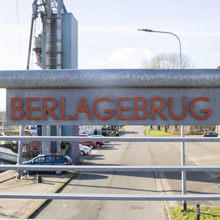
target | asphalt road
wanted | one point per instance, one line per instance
(134, 183)
(112, 183)
(201, 153)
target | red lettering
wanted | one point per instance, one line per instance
(29, 109)
(207, 111)
(109, 111)
(171, 109)
(49, 109)
(140, 108)
(158, 110)
(17, 108)
(120, 108)
(83, 108)
(62, 117)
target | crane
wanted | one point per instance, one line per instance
(49, 11)
(56, 47)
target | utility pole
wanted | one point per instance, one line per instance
(59, 35)
(48, 34)
(59, 55)
(47, 61)
(34, 16)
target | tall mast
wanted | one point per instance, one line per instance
(51, 13)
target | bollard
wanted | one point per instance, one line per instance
(184, 206)
(39, 178)
(197, 212)
(18, 175)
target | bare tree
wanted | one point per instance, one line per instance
(168, 61)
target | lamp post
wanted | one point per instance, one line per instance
(165, 32)
(183, 173)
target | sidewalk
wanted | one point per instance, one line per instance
(24, 208)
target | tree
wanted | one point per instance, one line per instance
(168, 61)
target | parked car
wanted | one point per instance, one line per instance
(90, 144)
(105, 131)
(98, 143)
(210, 134)
(49, 159)
(84, 150)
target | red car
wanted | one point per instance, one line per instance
(98, 143)
(90, 144)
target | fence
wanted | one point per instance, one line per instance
(198, 86)
(99, 168)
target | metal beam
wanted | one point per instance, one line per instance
(107, 78)
(107, 168)
(115, 197)
(115, 139)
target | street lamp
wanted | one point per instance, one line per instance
(182, 127)
(165, 32)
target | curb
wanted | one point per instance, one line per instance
(3, 176)
(41, 203)
(162, 188)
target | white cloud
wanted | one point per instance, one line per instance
(97, 62)
(127, 58)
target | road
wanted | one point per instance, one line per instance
(134, 183)
(111, 183)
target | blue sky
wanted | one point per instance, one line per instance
(108, 36)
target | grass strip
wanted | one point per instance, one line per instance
(177, 213)
(156, 133)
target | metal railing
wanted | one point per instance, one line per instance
(207, 79)
(112, 168)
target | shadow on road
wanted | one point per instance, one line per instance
(118, 188)
(191, 176)
(90, 176)
(194, 176)
(93, 157)
(128, 133)
(109, 147)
